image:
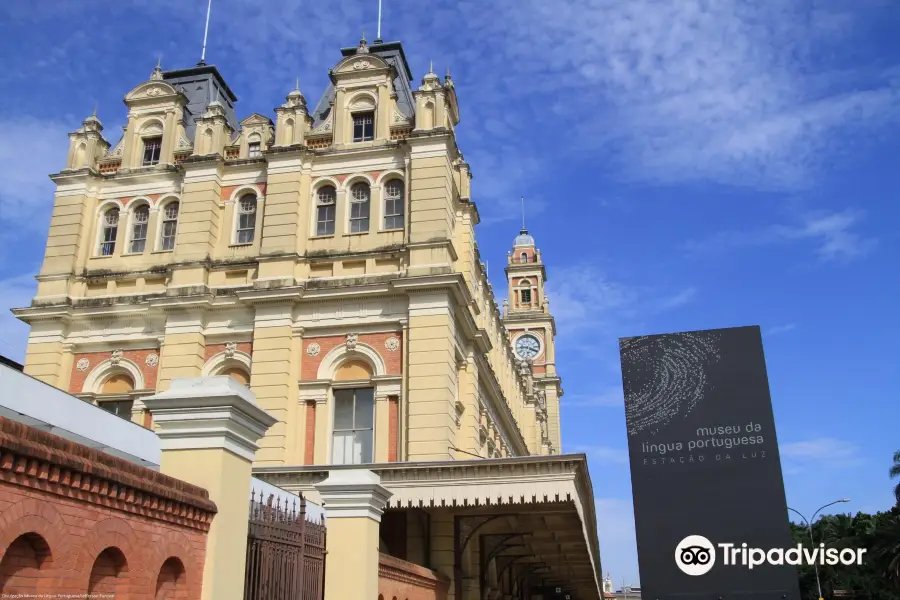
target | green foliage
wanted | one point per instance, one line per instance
(878, 578)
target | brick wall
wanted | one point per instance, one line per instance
(74, 520)
(407, 581)
(393, 359)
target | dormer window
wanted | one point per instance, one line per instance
(152, 149)
(254, 150)
(364, 126)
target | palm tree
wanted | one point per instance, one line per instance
(895, 472)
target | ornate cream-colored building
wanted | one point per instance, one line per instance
(326, 258)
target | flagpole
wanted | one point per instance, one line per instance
(205, 33)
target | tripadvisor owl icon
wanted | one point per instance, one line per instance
(695, 555)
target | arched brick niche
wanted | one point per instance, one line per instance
(76, 521)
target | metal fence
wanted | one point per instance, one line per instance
(285, 552)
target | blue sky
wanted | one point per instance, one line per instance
(686, 165)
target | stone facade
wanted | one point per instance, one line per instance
(326, 257)
(76, 521)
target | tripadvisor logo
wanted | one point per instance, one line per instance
(696, 555)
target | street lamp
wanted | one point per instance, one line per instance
(809, 523)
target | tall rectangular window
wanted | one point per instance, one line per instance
(246, 226)
(353, 426)
(393, 204)
(253, 150)
(526, 296)
(140, 219)
(152, 148)
(364, 127)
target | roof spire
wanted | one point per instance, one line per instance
(523, 215)
(205, 33)
(298, 85)
(431, 66)
(157, 75)
(363, 49)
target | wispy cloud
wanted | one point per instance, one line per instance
(822, 452)
(678, 299)
(602, 454)
(30, 149)
(777, 329)
(832, 234)
(607, 398)
(618, 546)
(14, 292)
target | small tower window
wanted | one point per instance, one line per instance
(525, 296)
(364, 126)
(523, 257)
(109, 232)
(140, 219)
(169, 226)
(393, 204)
(246, 226)
(325, 203)
(359, 208)
(152, 149)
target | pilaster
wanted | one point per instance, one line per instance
(432, 376)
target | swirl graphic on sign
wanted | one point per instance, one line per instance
(665, 376)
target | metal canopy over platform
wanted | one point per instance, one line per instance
(530, 520)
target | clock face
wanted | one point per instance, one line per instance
(527, 346)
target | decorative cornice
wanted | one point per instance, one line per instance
(43, 461)
(209, 412)
(401, 571)
(353, 494)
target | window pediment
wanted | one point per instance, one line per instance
(151, 89)
(360, 63)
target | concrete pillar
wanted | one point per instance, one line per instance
(209, 428)
(354, 501)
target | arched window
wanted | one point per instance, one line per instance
(523, 257)
(140, 218)
(238, 374)
(325, 204)
(109, 232)
(393, 204)
(119, 386)
(246, 224)
(359, 208)
(169, 226)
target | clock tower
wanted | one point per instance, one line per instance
(532, 329)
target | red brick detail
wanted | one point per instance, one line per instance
(393, 360)
(228, 190)
(374, 174)
(401, 579)
(213, 349)
(35, 459)
(393, 428)
(138, 357)
(521, 280)
(341, 178)
(309, 448)
(75, 521)
(154, 198)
